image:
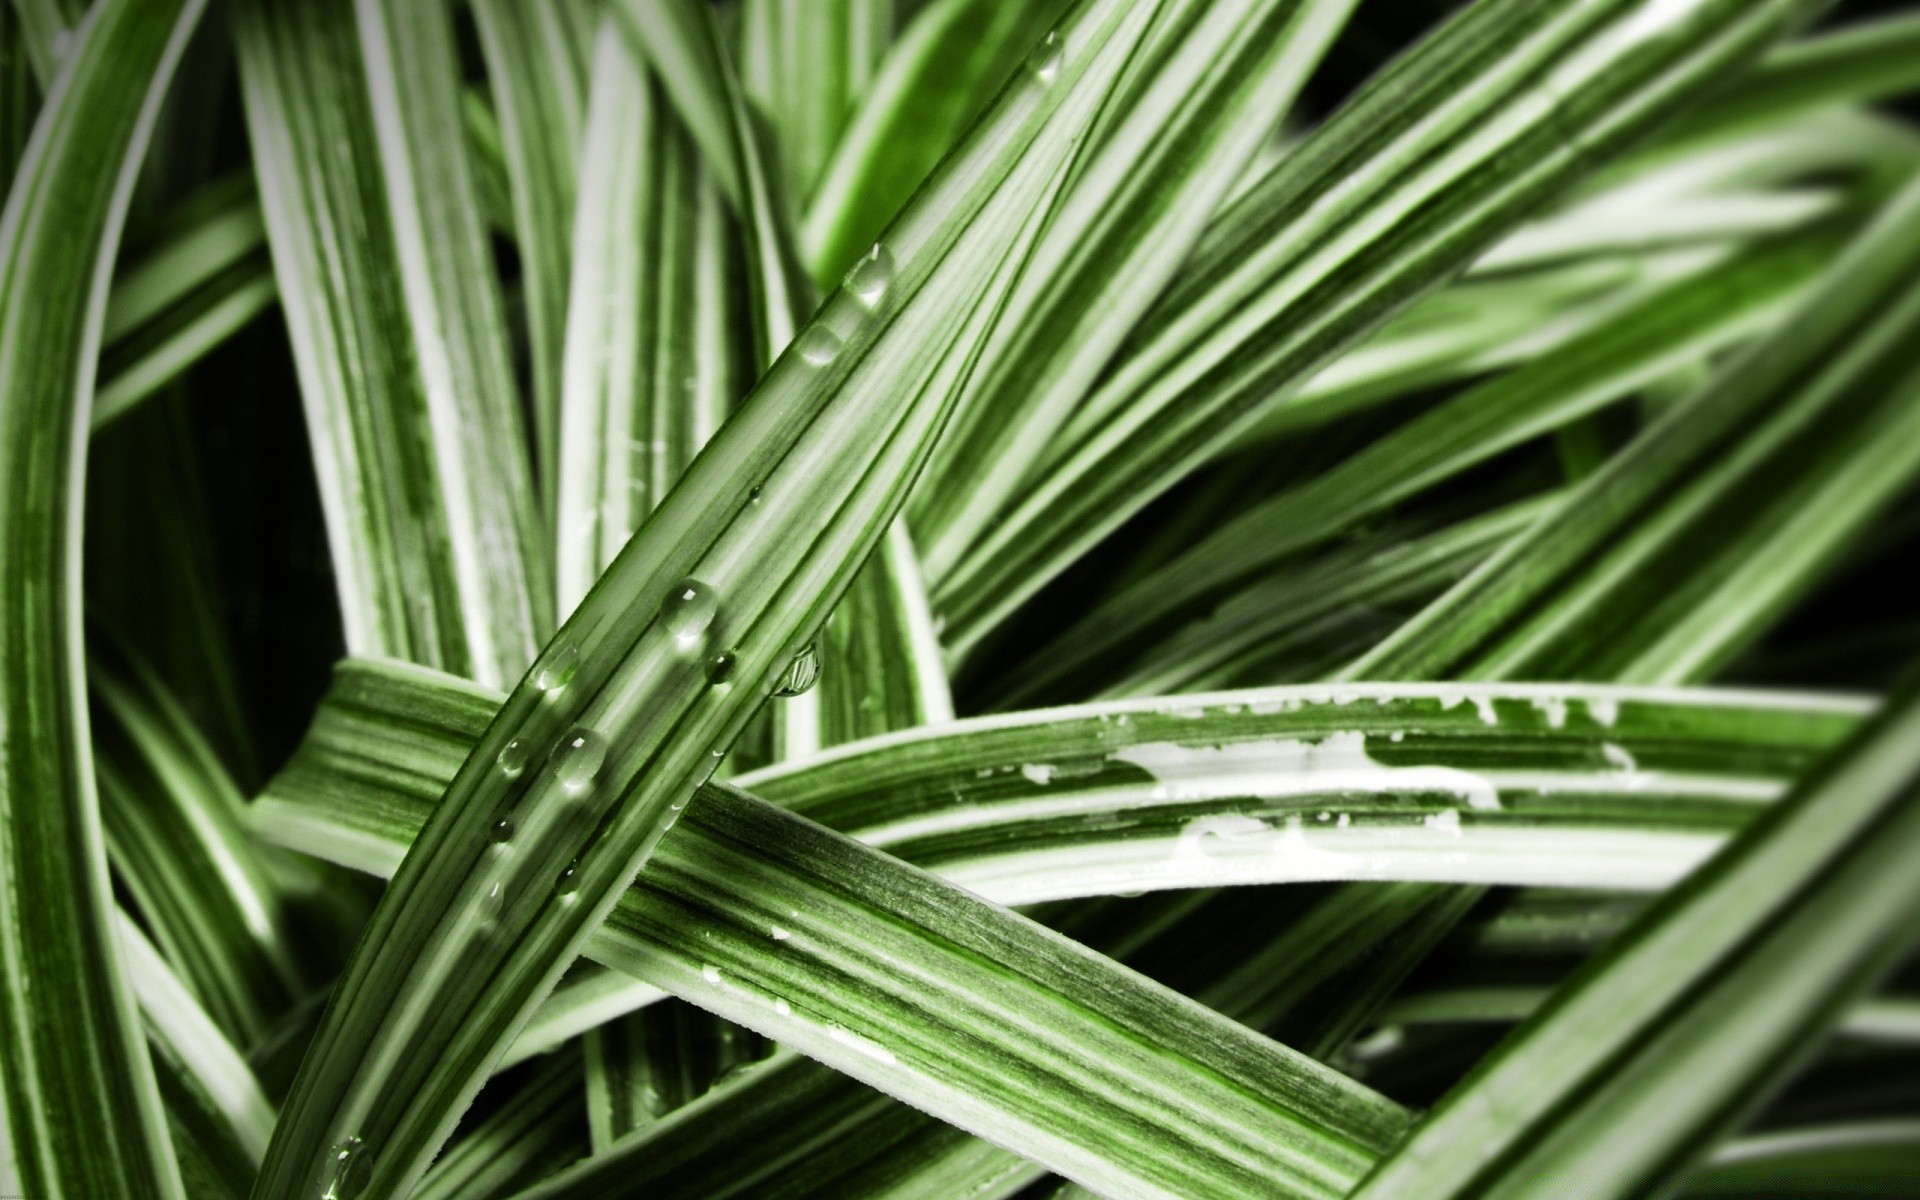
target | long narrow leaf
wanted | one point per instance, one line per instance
(57, 953)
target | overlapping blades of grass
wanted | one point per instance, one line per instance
(537, 64)
(1499, 110)
(1144, 187)
(389, 296)
(653, 364)
(805, 64)
(175, 827)
(1703, 1006)
(674, 649)
(748, 911)
(68, 1038)
(1671, 328)
(936, 78)
(1677, 552)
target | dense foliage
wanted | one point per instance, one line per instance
(959, 598)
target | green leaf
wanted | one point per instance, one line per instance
(805, 65)
(68, 1040)
(623, 712)
(1704, 1005)
(701, 924)
(536, 1133)
(537, 63)
(1683, 547)
(1676, 325)
(175, 828)
(651, 367)
(387, 292)
(1210, 88)
(936, 78)
(218, 1086)
(1495, 113)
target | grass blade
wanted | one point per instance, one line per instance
(806, 64)
(1400, 189)
(1800, 437)
(718, 951)
(57, 956)
(629, 694)
(409, 408)
(1708, 1000)
(1675, 326)
(537, 63)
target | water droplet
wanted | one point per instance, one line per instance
(872, 276)
(503, 830)
(710, 973)
(801, 674)
(688, 610)
(494, 902)
(558, 669)
(512, 758)
(352, 1167)
(569, 881)
(783, 1008)
(781, 935)
(720, 667)
(1046, 58)
(577, 759)
(819, 345)
(753, 494)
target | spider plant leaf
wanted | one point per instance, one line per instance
(537, 64)
(182, 1032)
(1304, 622)
(789, 1128)
(627, 693)
(651, 369)
(731, 964)
(1062, 809)
(69, 1041)
(1703, 1005)
(588, 996)
(537, 1133)
(1676, 325)
(805, 65)
(1860, 61)
(885, 669)
(1775, 463)
(385, 284)
(1842, 1158)
(141, 365)
(1496, 112)
(1141, 197)
(176, 835)
(47, 30)
(936, 78)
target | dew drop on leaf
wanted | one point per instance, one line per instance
(688, 610)
(503, 830)
(720, 667)
(872, 276)
(819, 345)
(1046, 59)
(577, 759)
(351, 1169)
(569, 882)
(512, 759)
(801, 674)
(558, 669)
